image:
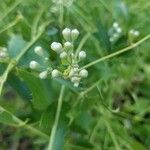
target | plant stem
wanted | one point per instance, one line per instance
(118, 52)
(54, 128)
(9, 26)
(8, 10)
(112, 135)
(14, 62)
(81, 44)
(20, 123)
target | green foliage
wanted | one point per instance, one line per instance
(109, 110)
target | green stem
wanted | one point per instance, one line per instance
(9, 26)
(14, 62)
(20, 123)
(81, 44)
(58, 111)
(8, 10)
(112, 135)
(117, 53)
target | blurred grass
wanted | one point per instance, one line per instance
(90, 117)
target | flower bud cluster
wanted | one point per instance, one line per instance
(134, 33)
(3, 53)
(115, 32)
(38, 50)
(69, 58)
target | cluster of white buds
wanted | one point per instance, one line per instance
(35, 65)
(69, 58)
(115, 32)
(3, 53)
(134, 33)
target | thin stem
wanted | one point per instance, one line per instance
(21, 123)
(81, 44)
(110, 131)
(117, 53)
(14, 62)
(9, 26)
(8, 10)
(35, 23)
(58, 111)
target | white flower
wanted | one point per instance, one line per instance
(76, 84)
(74, 34)
(115, 25)
(34, 65)
(119, 30)
(83, 73)
(43, 75)
(131, 31)
(66, 34)
(3, 54)
(38, 50)
(82, 54)
(136, 33)
(56, 46)
(63, 55)
(68, 45)
(55, 73)
(115, 35)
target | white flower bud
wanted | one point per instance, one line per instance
(76, 84)
(38, 50)
(56, 46)
(63, 55)
(136, 33)
(115, 25)
(74, 34)
(34, 65)
(131, 31)
(76, 70)
(75, 79)
(111, 39)
(55, 73)
(83, 73)
(66, 34)
(46, 58)
(68, 45)
(4, 49)
(119, 30)
(115, 35)
(82, 54)
(3, 54)
(43, 75)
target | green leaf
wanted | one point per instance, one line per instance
(40, 89)
(15, 45)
